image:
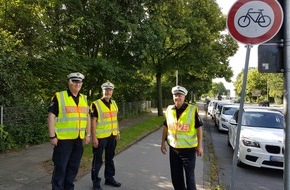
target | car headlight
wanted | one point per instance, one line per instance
(251, 143)
(224, 119)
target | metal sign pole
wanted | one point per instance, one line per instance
(176, 74)
(241, 110)
(286, 177)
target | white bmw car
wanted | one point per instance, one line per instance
(226, 114)
(261, 141)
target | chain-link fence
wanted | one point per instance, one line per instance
(28, 125)
(130, 109)
(23, 115)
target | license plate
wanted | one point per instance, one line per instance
(276, 159)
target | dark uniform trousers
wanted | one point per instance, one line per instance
(183, 158)
(109, 145)
(66, 157)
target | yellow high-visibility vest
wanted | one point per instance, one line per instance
(72, 119)
(107, 122)
(181, 132)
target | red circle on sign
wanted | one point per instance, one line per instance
(278, 20)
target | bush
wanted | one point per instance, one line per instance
(5, 140)
(27, 125)
(30, 129)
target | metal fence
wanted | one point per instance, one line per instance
(130, 109)
(23, 115)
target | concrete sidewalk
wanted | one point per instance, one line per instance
(140, 167)
(23, 169)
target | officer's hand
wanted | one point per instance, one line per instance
(86, 140)
(54, 141)
(199, 151)
(95, 142)
(163, 148)
(118, 137)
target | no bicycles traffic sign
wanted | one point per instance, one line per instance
(254, 21)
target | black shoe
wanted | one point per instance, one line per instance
(112, 182)
(96, 184)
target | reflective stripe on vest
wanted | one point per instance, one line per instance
(72, 120)
(182, 132)
(107, 123)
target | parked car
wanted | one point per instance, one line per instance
(261, 141)
(235, 101)
(264, 103)
(210, 107)
(217, 111)
(227, 113)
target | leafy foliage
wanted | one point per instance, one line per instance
(23, 127)
(15, 76)
(137, 45)
(185, 36)
(218, 89)
(126, 42)
(5, 140)
(270, 85)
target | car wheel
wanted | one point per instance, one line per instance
(229, 144)
(220, 128)
(240, 163)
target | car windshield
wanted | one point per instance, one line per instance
(263, 119)
(229, 110)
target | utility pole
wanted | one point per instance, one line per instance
(267, 91)
(286, 177)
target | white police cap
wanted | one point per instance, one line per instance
(107, 85)
(179, 90)
(76, 76)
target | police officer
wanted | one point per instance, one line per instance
(105, 133)
(183, 133)
(69, 129)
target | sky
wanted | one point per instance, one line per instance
(237, 62)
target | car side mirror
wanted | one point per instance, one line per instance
(233, 122)
(218, 112)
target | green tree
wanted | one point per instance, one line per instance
(218, 89)
(185, 35)
(275, 85)
(255, 81)
(15, 76)
(127, 42)
(97, 35)
(269, 84)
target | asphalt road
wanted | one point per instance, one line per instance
(247, 178)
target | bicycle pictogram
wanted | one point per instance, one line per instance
(256, 17)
